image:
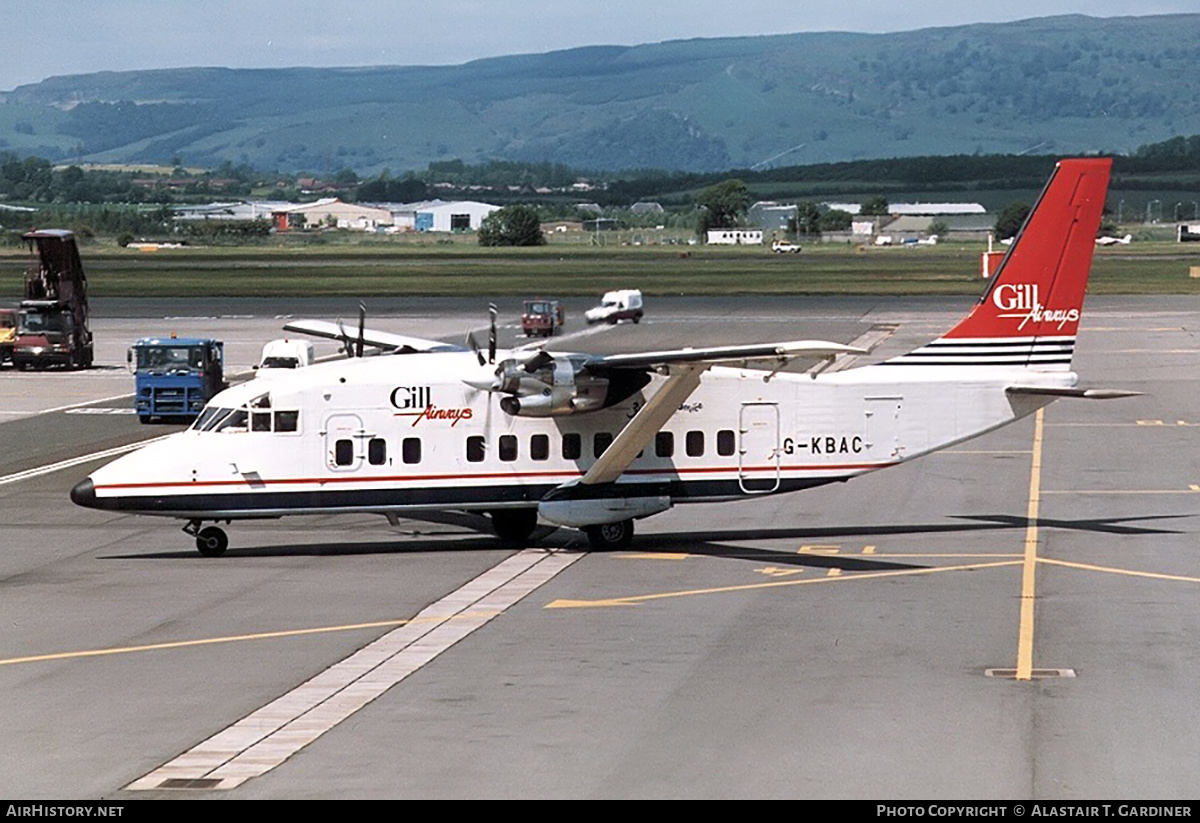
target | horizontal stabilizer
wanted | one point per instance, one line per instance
(1086, 394)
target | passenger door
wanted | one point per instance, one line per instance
(758, 448)
(344, 437)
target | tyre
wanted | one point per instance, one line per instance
(211, 542)
(608, 537)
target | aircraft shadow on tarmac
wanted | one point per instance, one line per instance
(710, 543)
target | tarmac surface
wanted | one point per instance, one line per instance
(854, 641)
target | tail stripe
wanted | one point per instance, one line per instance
(1006, 351)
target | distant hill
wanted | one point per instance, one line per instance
(1050, 85)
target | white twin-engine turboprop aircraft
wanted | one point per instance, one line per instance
(595, 442)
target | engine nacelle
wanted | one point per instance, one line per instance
(548, 386)
(556, 401)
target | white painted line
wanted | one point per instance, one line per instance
(84, 403)
(269, 736)
(75, 461)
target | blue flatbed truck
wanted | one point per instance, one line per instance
(174, 377)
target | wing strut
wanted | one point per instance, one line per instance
(645, 424)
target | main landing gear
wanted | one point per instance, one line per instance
(610, 537)
(514, 526)
(211, 541)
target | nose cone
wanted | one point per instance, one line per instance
(83, 493)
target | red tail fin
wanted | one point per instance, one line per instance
(1038, 290)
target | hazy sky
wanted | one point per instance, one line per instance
(41, 38)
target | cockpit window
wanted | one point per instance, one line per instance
(216, 418)
(287, 421)
(204, 417)
(235, 421)
(255, 416)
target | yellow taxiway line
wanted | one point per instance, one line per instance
(634, 600)
(1029, 564)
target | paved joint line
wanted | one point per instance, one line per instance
(269, 736)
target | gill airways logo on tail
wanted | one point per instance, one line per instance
(1020, 300)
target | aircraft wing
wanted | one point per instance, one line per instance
(685, 367)
(754, 353)
(386, 341)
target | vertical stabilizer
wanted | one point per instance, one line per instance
(1030, 313)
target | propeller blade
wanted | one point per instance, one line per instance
(492, 333)
(362, 323)
(538, 361)
(345, 338)
(475, 348)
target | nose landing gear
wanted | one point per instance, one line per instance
(211, 541)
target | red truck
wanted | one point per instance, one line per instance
(52, 320)
(542, 318)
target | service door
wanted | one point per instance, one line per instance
(344, 442)
(882, 428)
(758, 448)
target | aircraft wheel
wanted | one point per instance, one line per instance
(608, 537)
(513, 526)
(212, 542)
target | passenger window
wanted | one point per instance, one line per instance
(508, 447)
(377, 451)
(287, 421)
(343, 452)
(725, 442)
(664, 444)
(572, 446)
(539, 447)
(474, 449)
(410, 450)
(694, 444)
(601, 442)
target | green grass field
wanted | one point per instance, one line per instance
(380, 269)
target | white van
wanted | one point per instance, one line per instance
(286, 354)
(615, 306)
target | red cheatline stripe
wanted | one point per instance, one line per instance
(733, 470)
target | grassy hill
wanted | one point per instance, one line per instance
(1050, 85)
